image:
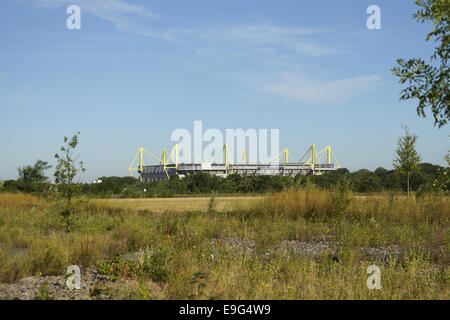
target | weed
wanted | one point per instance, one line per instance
(43, 293)
(212, 203)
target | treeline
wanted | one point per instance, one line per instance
(430, 178)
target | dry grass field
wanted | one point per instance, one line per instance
(298, 244)
(181, 204)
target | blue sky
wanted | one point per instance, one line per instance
(137, 70)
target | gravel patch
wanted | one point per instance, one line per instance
(383, 253)
(306, 249)
(309, 249)
(93, 285)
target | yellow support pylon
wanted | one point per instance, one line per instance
(140, 158)
(226, 156)
(245, 156)
(329, 155)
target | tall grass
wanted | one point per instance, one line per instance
(20, 200)
(212, 203)
(310, 203)
(324, 204)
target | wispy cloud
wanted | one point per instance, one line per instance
(277, 55)
(269, 49)
(304, 89)
(265, 37)
(120, 13)
(262, 36)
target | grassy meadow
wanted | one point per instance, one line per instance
(238, 248)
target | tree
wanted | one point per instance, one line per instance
(201, 182)
(365, 180)
(407, 159)
(31, 178)
(380, 171)
(65, 172)
(442, 181)
(428, 82)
